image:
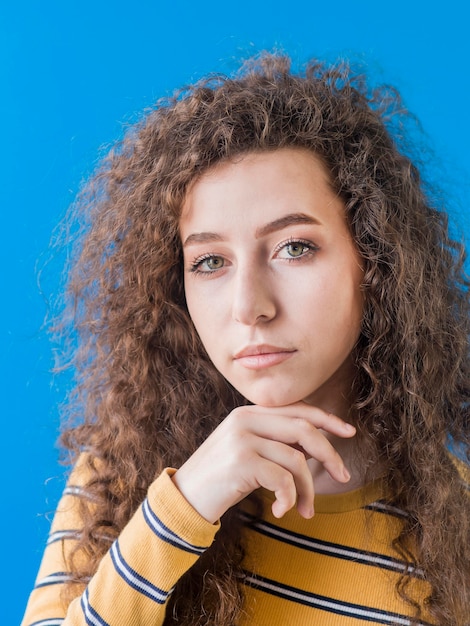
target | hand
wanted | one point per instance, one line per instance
(257, 447)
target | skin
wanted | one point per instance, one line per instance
(273, 287)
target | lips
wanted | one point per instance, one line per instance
(262, 356)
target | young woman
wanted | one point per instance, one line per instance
(273, 372)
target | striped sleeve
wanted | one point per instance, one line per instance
(136, 577)
(458, 457)
(464, 473)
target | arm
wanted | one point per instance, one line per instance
(135, 578)
(268, 447)
(253, 447)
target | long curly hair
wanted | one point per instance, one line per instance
(146, 392)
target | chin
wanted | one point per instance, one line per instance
(270, 399)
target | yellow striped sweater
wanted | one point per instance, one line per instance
(337, 569)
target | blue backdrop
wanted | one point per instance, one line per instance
(71, 74)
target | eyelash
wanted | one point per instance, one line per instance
(195, 265)
(311, 249)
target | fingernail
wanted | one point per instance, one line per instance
(349, 427)
(346, 474)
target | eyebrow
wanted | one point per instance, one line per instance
(284, 222)
(262, 231)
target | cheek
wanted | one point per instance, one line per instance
(195, 313)
(203, 317)
(192, 305)
(353, 314)
(342, 301)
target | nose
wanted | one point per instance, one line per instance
(253, 297)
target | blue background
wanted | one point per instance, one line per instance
(72, 73)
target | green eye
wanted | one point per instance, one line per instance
(296, 249)
(207, 264)
(214, 263)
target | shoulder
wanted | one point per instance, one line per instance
(80, 475)
(461, 465)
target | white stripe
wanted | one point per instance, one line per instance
(54, 578)
(74, 534)
(329, 604)
(62, 534)
(170, 536)
(49, 622)
(388, 507)
(129, 576)
(75, 490)
(357, 555)
(88, 614)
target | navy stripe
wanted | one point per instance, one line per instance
(64, 535)
(165, 534)
(56, 578)
(59, 535)
(328, 548)
(135, 580)
(51, 621)
(92, 617)
(330, 605)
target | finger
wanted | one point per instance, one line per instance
(280, 481)
(322, 419)
(317, 417)
(295, 462)
(299, 432)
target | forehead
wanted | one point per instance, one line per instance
(276, 180)
(259, 193)
(259, 159)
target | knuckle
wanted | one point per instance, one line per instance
(239, 416)
(232, 417)
(304, 426)
(234, 422)
(239, 443)
(297, 459)
(286, 482)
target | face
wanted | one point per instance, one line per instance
(272, 278)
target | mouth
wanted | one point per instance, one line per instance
(262, 356)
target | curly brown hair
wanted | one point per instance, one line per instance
(148, 394)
